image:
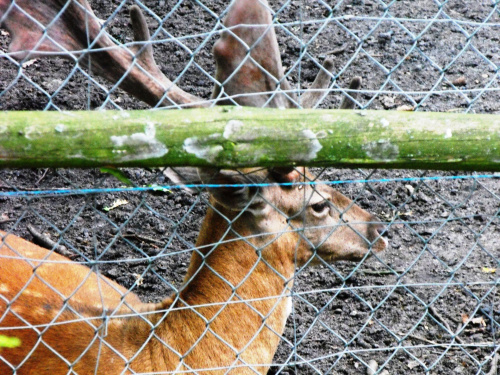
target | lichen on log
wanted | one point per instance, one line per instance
(232, 137)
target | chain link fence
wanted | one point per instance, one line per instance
(425, 55)
(429, 303)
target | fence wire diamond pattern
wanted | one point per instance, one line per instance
(426, 55)
(429, 303)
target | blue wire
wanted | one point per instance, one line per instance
(168, 187)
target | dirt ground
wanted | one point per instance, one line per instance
(444, 233)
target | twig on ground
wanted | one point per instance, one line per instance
(46, 242)
(432, 342)
(338, 51)
(440, 318)
(473, 344)
(17, 190)
(43, 176)
(379, 273)
(143, 238)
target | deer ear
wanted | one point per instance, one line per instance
(286, 174)
(349, 101)
(232, 188)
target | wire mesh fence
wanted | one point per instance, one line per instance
(426, 55)
(428, 303)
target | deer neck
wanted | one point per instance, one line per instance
(239, 292)
(232, 254)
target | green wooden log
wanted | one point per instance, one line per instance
(236, 137)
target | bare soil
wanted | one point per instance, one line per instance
(443, 233)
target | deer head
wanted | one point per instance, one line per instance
(290, 206)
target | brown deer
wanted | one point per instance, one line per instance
(231, 310)
(230, 313)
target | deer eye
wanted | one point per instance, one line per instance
(321, 207)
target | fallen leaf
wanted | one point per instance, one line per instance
(479, 321)
(412, 364)
(488, 270)
(117, 203)
(405, 108)
(29, 63)
(138, 279)
(405, 214)
(410, 189)
(4, 33)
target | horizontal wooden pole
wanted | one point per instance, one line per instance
(236, 137)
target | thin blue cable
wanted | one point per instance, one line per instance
(172, 187)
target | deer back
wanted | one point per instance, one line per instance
(54, 305)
